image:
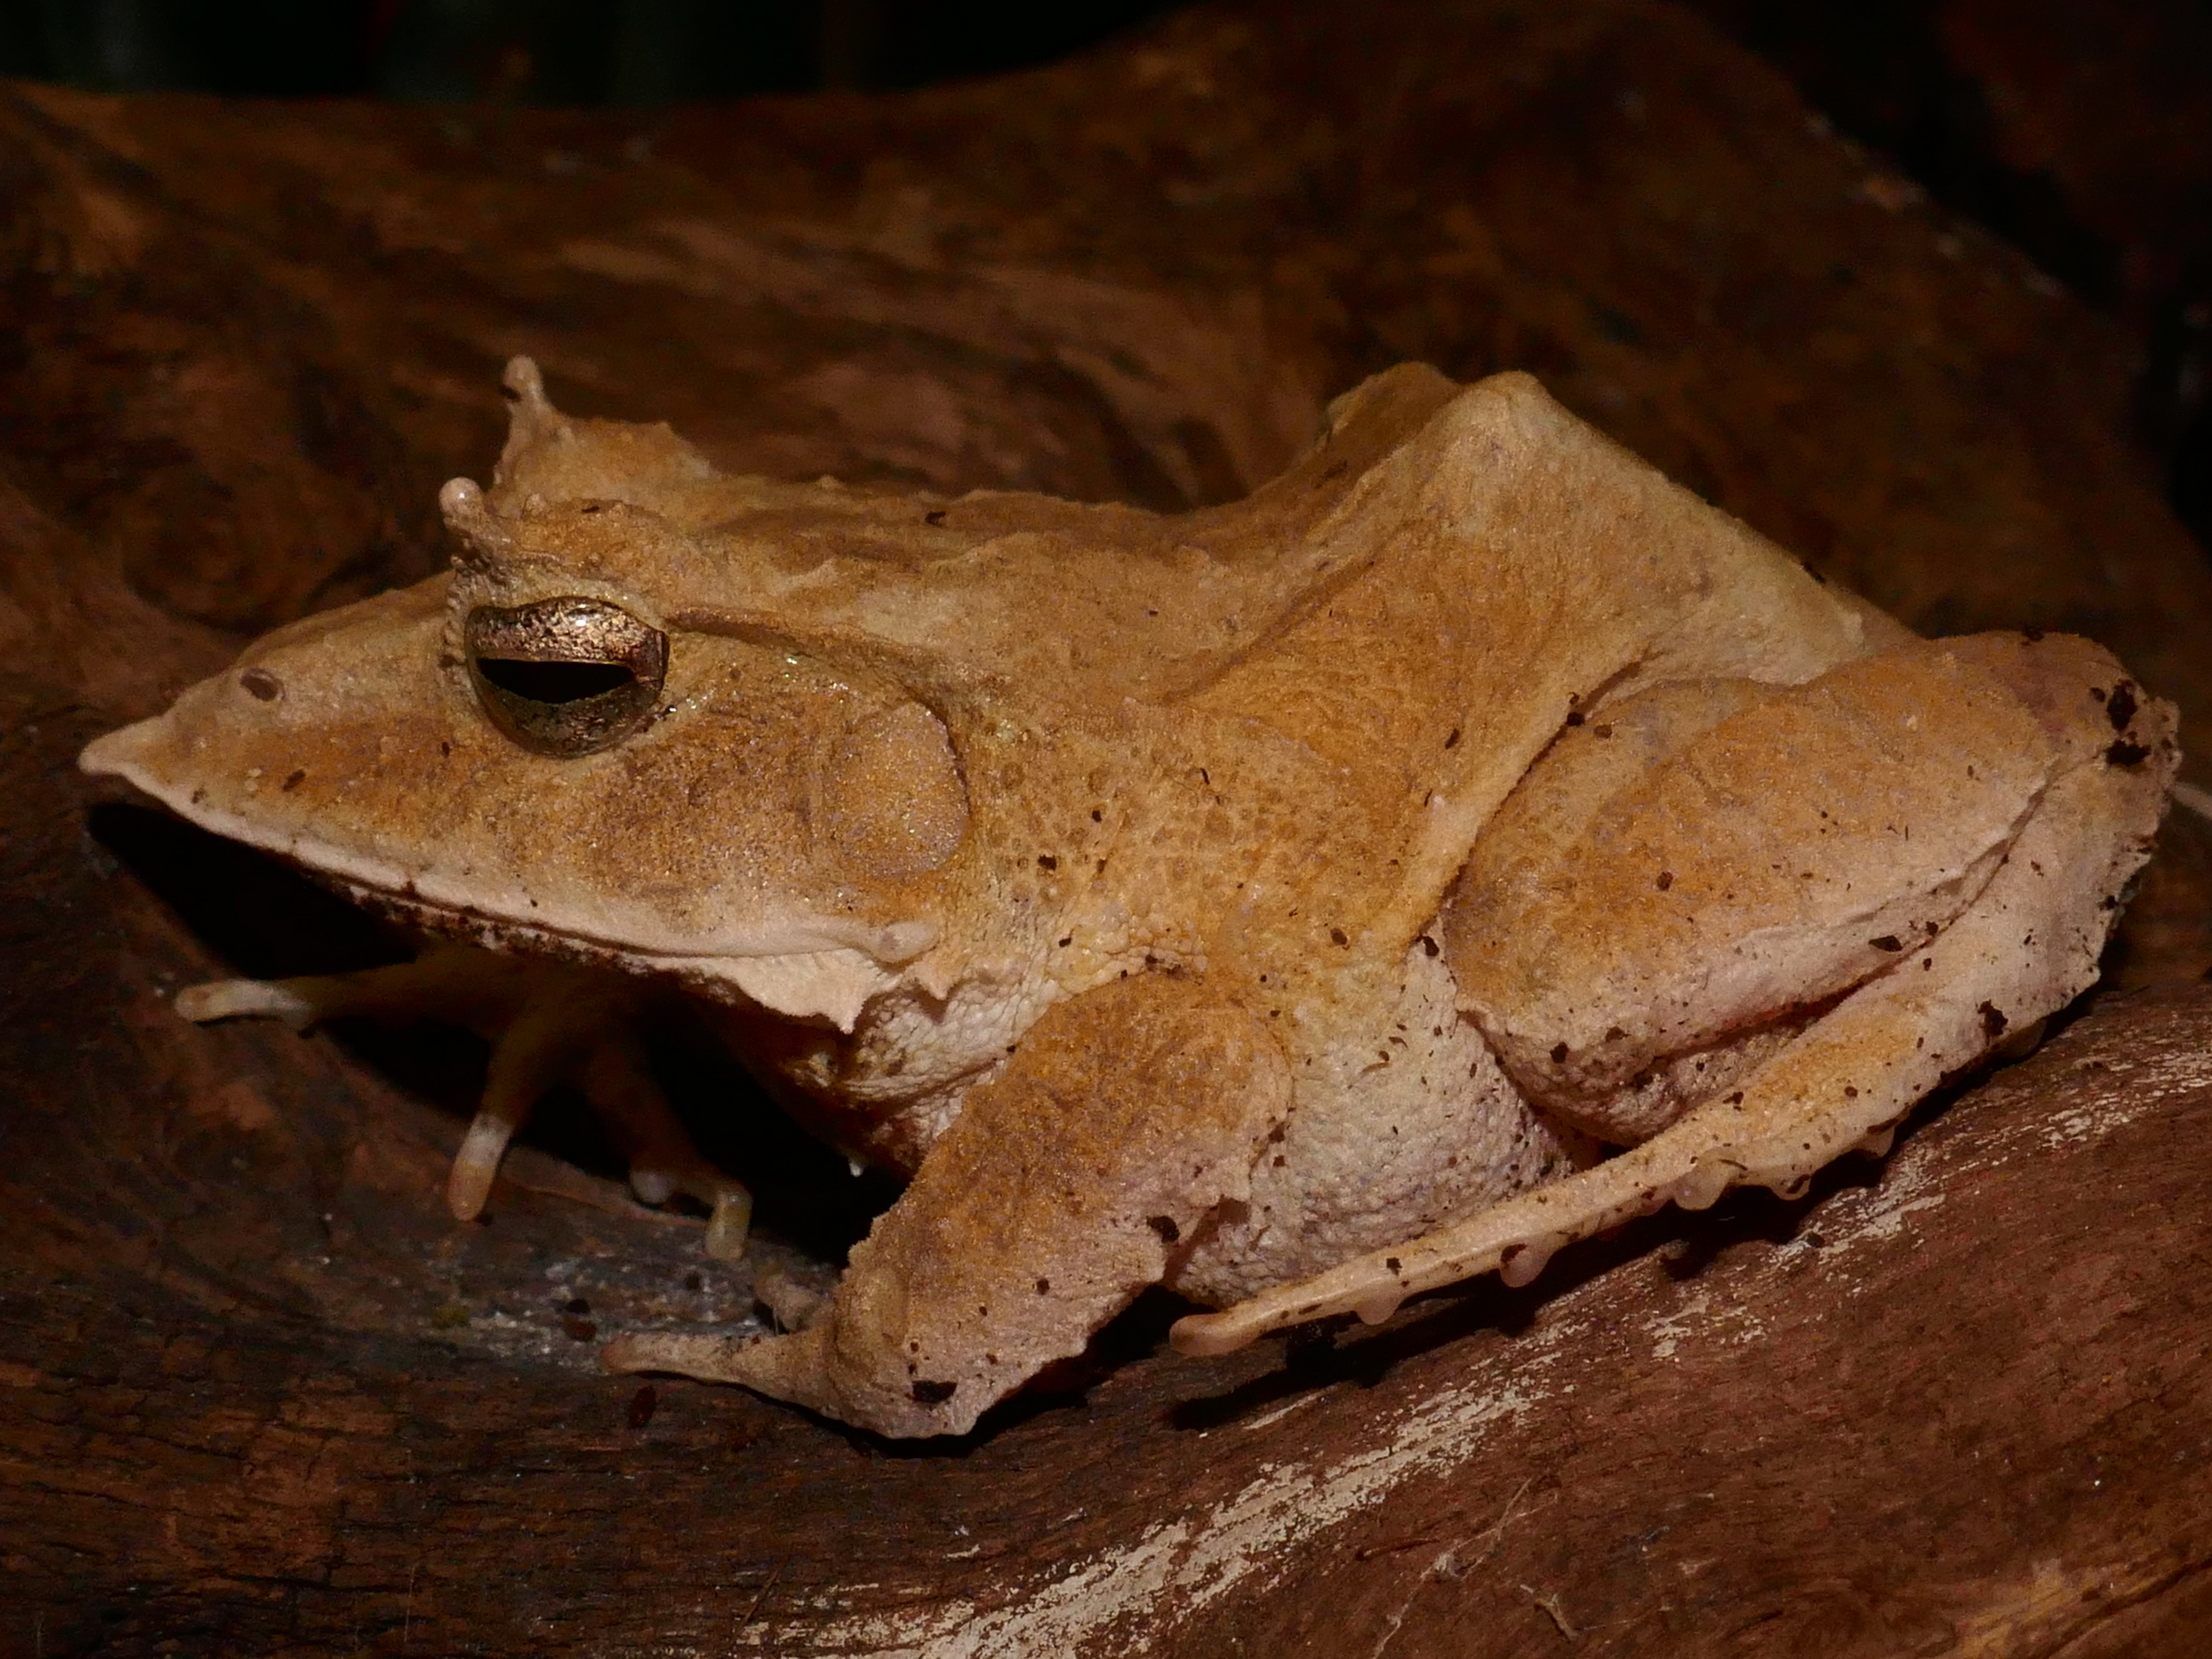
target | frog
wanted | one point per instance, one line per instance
(1462, 844)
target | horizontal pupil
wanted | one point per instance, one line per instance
(553, 682)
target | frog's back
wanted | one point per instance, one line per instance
(1415, 605)
(1081, 601)
(1498, 567)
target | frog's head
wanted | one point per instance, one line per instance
(556, 746)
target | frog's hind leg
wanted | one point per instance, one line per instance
(547, 1024)
(2024, 946)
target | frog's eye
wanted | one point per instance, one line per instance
(565, 676)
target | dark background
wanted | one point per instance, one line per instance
(2080, 132)
(542, 51)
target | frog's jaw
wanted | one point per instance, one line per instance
(811, 982)
(787, 958)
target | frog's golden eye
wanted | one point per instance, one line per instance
(565, 676)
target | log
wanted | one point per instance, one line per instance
(258, 1393)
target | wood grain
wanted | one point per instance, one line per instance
(257, 1392)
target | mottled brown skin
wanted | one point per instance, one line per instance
(1238, 901)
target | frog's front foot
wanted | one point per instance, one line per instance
(1072, 1179)
(548, 1024)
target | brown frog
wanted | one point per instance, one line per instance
(1465, 843)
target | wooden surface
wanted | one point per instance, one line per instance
(258, 1393)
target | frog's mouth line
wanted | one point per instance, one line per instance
(832, 984)
(437, 901)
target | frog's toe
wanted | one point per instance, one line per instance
(446, 982)
(299, 1003)
(729, 1203)
(468, 1184)
(619, 1084)
(793, 1366)
(401, 989)
(703, 1354)
(791, 1302)
(537, 1050)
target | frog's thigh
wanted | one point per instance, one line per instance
(1843, 1083)
(1069, 1182)
(1617, 915)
